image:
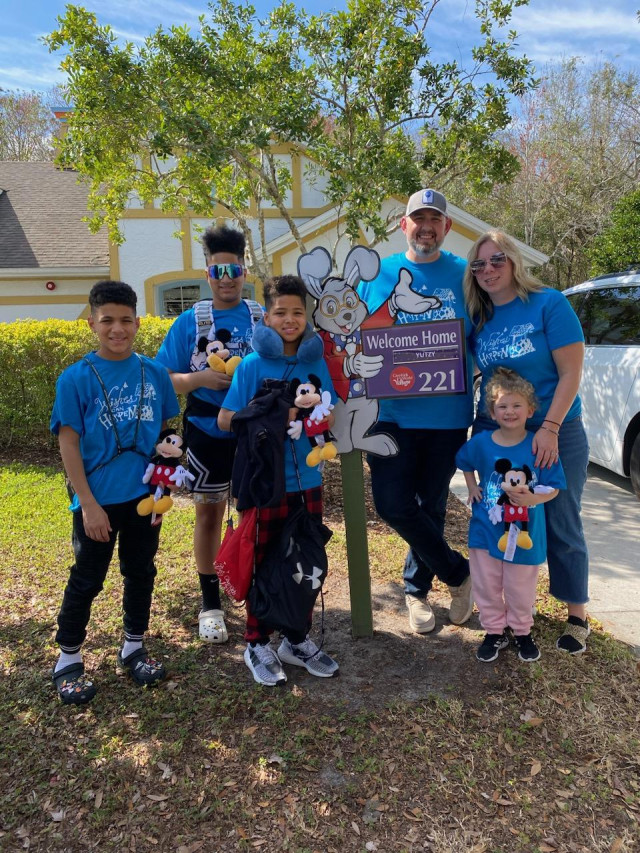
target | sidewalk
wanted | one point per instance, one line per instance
(611, 519)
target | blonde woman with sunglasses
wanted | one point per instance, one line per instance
(532, 329)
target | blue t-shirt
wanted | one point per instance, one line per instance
(247, 380)
(177, 350)
(441, 278)
(522, 336)
(80, 404)
(480, 454)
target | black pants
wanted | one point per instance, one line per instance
(410, 492)
(137, 546)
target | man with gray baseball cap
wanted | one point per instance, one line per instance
(427, 200)
(410, 490)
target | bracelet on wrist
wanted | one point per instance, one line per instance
(552, 431)
(549, 421)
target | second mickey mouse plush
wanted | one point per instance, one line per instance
(163, 475)
(218, 354)
(313, 407)
(514, 478)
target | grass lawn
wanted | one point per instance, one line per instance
(504, 758)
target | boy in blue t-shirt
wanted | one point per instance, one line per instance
(224, 320)
(284, 353)
(109, 410)
(504, 558)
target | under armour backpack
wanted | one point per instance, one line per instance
(288, 580)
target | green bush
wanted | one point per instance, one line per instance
(33, 353)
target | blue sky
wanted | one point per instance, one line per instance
(548, 31)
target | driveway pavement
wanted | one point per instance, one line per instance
(611, 519)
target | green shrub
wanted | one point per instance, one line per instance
(33, 353)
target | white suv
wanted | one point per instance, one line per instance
(609, 310)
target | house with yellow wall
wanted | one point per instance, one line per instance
(49, 260)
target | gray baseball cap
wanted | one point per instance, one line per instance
(426, 199)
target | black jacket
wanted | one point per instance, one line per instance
(261, 429)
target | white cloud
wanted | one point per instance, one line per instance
(147, 14)
(38, 78)
(136, 38)
(581, 21)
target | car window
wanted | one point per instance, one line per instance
(611, 316)
(577, 301)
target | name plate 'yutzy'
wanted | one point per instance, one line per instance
(419, 359)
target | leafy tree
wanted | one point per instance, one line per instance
(192, 119)
(618, 246)
(576, 140)
(27, 126)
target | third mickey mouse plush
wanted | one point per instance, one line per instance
(313, 409)
(513, 478)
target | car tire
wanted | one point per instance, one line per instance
(634, 466)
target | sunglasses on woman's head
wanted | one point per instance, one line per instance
(498, 260)
(217, 271)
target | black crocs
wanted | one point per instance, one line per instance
(73, 686)
(144, 670)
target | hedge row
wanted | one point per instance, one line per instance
(33, 353)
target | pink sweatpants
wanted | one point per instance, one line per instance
(504, 592)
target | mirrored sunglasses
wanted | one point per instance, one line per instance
(498, 260)
(217, 271)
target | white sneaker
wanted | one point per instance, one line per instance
(308, 655)
(421, 617)
(264, 664)
(211, 626)
(461, 606)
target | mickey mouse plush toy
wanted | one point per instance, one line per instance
(313, 408)
(218, 354)
(163, 475)
(514, 480)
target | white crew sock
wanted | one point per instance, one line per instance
(130, 646)
(66, 659)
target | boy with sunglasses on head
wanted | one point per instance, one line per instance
(229, 317)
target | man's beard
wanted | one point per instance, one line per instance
(423, 251)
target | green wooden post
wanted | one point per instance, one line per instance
(355, 520)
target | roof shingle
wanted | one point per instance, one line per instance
(41, 210)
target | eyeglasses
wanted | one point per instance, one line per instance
(498, 260)
(331, 307)
(217, 271)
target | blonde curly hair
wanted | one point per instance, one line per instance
(503, 380)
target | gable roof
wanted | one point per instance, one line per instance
(41, 210)
(532, 257)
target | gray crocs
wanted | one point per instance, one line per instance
(144, 670)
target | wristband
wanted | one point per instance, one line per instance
(549, 421)
(552, 431)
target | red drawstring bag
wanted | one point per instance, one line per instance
(235, 560)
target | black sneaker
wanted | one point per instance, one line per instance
(491, 647)
(527, 649)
